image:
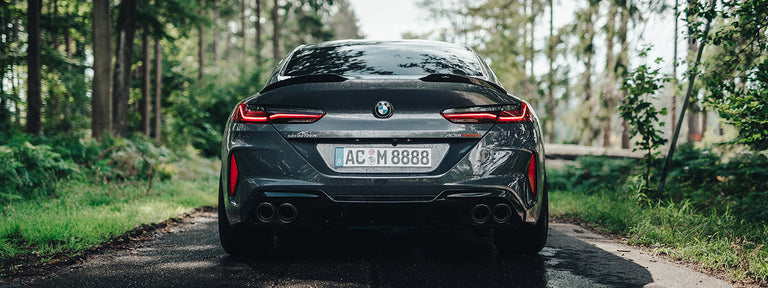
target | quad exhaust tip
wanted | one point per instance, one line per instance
(481, 213)
(286, 213)
(502, 213)
(265, 212)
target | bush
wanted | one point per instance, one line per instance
(697, 177)
(593, 173)
(27, 170)
(739, 184)
(32, 166)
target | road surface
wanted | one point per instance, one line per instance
(190, 256)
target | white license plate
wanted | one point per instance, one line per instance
(382, 157)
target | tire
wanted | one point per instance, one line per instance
(527, 238)
(242, 241)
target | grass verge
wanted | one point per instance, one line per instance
(714, 240)
(86, 214)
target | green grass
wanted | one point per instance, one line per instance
(713, 239)
(86, 214)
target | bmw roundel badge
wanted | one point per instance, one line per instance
(383, 109)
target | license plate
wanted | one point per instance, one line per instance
(382, 157)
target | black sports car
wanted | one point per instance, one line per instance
(382, 134)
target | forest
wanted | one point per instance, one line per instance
(127, 93)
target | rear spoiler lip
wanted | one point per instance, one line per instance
(304, 79)
(437, 77)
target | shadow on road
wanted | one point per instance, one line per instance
(193, 258)
(457, 259)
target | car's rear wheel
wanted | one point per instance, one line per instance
(527, 238)
(242, 241)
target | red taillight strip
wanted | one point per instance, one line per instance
(522, 114)
(232, 175)
(497, 114)
(278, 118)
(532, 173)
(243, 115)
(473, 117)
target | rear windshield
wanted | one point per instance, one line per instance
(384, 59)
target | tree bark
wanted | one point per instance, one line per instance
(624, 64)
(276, 33)
(609, 78)
(126, 26)
(243, 29)
(258, 35)
(201, 46)
(158, 91)
(34, 97)
(550, 107)
(216, 35)
(694, 134)
(101, 114)
(145, 106)
(675, 82)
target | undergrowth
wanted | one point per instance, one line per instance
(713, 213)
(65, 195)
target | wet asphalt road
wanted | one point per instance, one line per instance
(190, 256)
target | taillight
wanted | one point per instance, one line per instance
(251, 114)
(232, 174)
(490, 114)
(532, 173)
(246, 114)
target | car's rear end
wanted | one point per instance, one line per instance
(335, 141)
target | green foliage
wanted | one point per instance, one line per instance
(641, 115)
(32, 167)
(714, 239)
(699, 177)
(738, 185)
(28, 170)
(134, 159)
(592, 173)
(198, 118)
(737, 72)
(88, 214)
(744, 106)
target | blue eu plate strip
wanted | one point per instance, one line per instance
(339, 157)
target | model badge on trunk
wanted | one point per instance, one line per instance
(383, 109)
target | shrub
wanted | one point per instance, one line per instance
(27, 170)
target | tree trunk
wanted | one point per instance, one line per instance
(34, 97)
(588, 61)
(201, 46)
(276, 33)
(258, 35)
(694, 134)
(704, 120)
(216, 35)
(126, 27)
(158, 91)
(624, 64)
(54, 37)
(525, 41)
(145, 105)
(101, 114)
(243, 29)
(675, 82)
(550, 107)
(609, 78)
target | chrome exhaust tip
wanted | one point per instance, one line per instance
(481, 213)
(286, 213)
(502, 213)
(265, 212)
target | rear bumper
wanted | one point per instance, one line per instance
(451, 209)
